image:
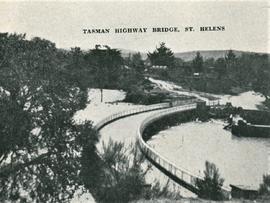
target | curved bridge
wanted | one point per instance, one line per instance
(130, 112)
(180, 176)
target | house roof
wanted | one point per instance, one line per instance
(245, 187)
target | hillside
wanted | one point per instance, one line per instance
(125, 53)
(187, 56)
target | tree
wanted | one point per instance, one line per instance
(40, 143)
(107, 63)
(162, 56)
(220, 67)
(261, 83)
(198, 63)
(77, 70)
(210, 186)
(230, 56)
(120, 175)
(230, 59)
(264, 189)
(137, 62)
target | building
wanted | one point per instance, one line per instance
(245, 192)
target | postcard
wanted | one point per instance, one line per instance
(134, 101)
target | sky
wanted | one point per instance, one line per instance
(246, 23)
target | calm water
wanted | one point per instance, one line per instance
(241, 161)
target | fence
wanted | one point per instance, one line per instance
(133, 111)
(142, 109)
(213, 102)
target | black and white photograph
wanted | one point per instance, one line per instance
(134, 101)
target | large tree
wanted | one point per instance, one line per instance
(162, 56)
(230, 59)
(40, 144)
(78, 70)
(137, 62)
(107, 63)
(197, 63)
(220, 67)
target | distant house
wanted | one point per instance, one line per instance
(246, 192)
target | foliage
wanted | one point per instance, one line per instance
(262, 84)
(230, 57)
(210, 186)
(198, 63)
(141, 97)
(121, 177)
(264, 189)
(162, 56)
(79, 72)
(220, 65)
(135, 62)
(158, 191)
(121, 173)
(107, 64)
(230, 74)
(40, 144)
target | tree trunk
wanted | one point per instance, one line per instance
(101, 95)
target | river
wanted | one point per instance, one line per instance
(241, 161)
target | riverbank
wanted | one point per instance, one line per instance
(246, 100)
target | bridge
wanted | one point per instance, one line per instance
(176, 173)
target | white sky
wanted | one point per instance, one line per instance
(246, 23)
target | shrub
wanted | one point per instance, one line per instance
(210, 186)
(264, 189)
(119, 176)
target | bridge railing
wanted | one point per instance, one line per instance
(136, 110)
(158, 158)
(132, 111)
(185, 175)
(213, 102)
(177, 171)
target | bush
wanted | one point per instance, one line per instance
(140, 97)
(210, 186)
(264, 189)
(120, 176)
